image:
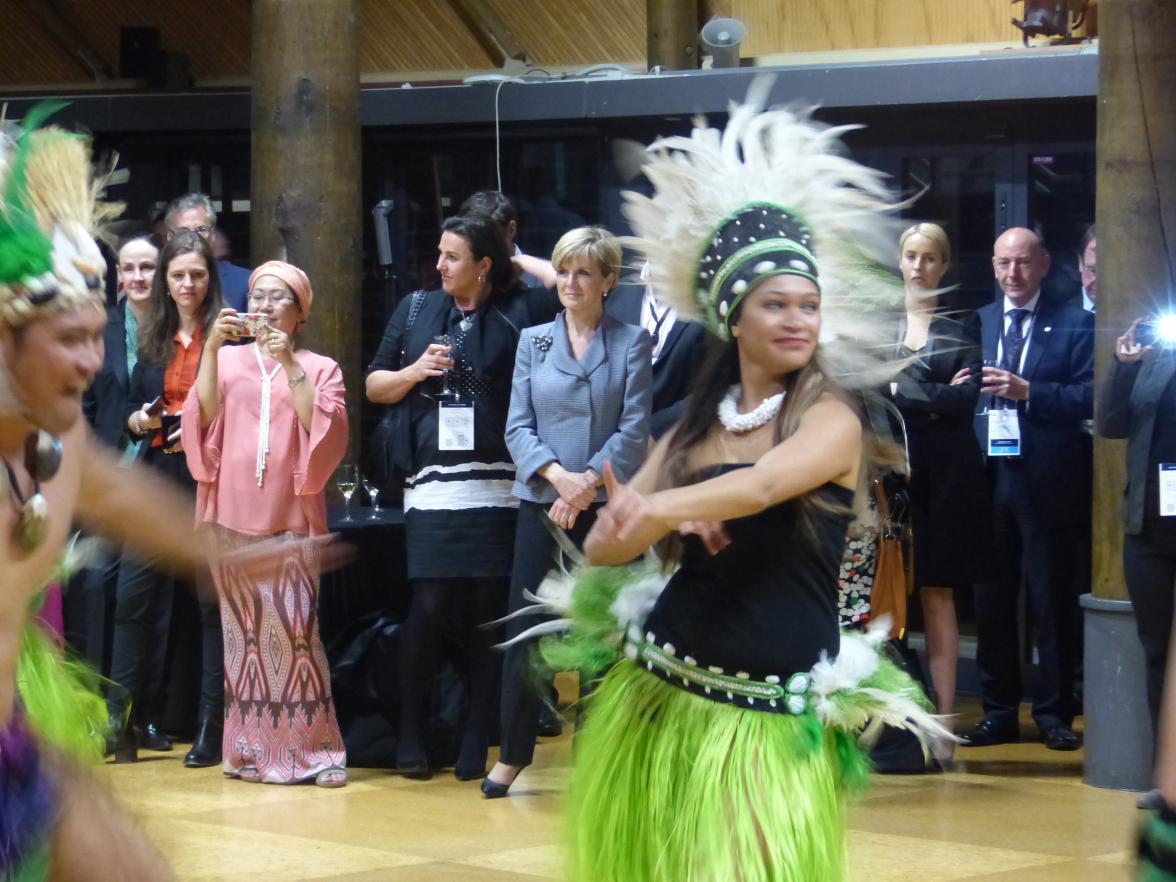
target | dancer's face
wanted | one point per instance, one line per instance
(779, 324)
(52, 361)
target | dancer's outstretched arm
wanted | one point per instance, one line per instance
(826, 447)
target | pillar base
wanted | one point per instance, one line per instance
(1118, 729)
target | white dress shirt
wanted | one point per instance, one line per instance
(657, 318)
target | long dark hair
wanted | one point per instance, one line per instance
(157, 336)
(485, 238)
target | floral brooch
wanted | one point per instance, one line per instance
(542, 342)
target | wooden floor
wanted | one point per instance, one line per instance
(1015, 812)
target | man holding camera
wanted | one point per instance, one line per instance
(1036, 391)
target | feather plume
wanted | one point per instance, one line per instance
(784, 157)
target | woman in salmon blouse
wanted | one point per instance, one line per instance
(263, 428)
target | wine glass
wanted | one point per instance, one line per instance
(346, 477)
(373, 492)
(444, 340)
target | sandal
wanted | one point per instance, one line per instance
(335, 776)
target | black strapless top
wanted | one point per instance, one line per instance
(767, 603)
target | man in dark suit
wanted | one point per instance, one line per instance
(1038, 375)
(679, 348)
(193, 213)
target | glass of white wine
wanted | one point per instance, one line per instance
(373, 492)
(346, 478)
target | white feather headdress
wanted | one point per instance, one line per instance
(842, 213)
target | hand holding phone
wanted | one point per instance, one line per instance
(155, 407)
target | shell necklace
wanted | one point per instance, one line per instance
(740, 423)
(42, 460)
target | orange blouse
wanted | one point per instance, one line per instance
(180, 375)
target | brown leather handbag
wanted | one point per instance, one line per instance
(893, 573)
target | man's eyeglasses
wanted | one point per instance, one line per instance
(200, 231)
(271, 299)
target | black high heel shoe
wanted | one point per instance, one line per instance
(493, 790)
(123, 745)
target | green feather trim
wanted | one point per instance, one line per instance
(25, 250)
(62, 698)
(672, 787)
(592, 643)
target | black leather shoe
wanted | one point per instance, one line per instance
(152, 737)
(550, 724)
(206, 748)
(412, 764)
(1060, 737)
(988, 732)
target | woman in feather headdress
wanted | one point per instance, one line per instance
(721, 746)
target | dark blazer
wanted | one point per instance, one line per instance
(234, 284)
(490, 350)
(578, 413)
(105, 402)
(1060, 369)
(681, 356)
(1127, 409)
(147, 384)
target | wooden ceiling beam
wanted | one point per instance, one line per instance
(490, 30)
(60, 28)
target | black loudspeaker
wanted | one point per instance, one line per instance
(139, 56)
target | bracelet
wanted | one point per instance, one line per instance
(294, 381)
(138, 425)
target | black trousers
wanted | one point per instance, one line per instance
(1149, 566)
(534, 557)
(1030, 548)
(88, 610)
(142, 633)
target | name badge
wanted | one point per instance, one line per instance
(1168, 489)
(455, 427)
(1004, 432)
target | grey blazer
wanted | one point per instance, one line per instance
(1127, 409)
(578, 413)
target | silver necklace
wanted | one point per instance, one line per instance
(739, 423)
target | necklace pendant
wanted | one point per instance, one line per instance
(44, 455)
(32, 524)
(465, 324)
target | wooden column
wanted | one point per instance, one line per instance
(306, 167)
(671, 28)
(1136, 214)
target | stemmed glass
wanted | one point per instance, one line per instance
(444, 340)
(373, 492)
(346, 478)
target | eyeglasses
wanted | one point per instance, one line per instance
(271, 299)
(200, 231)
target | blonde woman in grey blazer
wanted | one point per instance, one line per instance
(581, 397)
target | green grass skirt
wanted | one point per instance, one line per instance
(672, 787)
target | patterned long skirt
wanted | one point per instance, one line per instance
(280, 724)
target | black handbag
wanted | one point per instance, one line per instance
(391, 445)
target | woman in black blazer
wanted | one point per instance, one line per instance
(185, 298)
(1138, 402)
(948, 494)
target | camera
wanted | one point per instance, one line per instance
(254, 322)
(1159, 330)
